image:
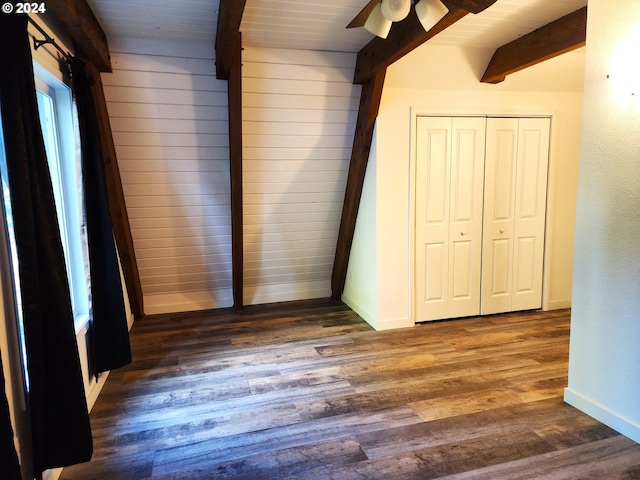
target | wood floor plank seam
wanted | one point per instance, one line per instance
(309, 391)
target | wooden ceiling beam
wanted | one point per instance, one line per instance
(407, 35)
(371, 67)
(229, 67)
(560, 36)
(79, 20)
(229, 18)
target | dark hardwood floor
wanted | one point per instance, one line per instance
(309, 391)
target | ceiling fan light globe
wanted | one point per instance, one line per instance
(430, 12)
(377, 23)
(395, 10)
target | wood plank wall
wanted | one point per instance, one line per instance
(169, 117)
(299, 115)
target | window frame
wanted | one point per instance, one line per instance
(66, 176)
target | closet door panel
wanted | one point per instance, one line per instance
(432, 217)
(501, 155)
(481, 187)
(465, 232)
(499, 206)
(524, 264)
(530, 212)
(435, 274)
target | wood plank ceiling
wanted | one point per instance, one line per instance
(314, 26)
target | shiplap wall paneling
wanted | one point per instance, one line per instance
(169, 118)
(299, 113)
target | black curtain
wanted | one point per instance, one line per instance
(110, 338)
(8, 456)
(61, 432)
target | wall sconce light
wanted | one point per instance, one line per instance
(624, 86)
(386, 12)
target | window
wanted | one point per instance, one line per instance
(59, 128)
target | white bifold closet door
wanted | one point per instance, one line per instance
(514, 213)
(448, 230)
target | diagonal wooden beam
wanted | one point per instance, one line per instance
(560, 36)
(371, 66)
(407, 35)
(229, 18)
(369, 105)
(86, 32)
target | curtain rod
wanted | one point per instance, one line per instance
(47, 39)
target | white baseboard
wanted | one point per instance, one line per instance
(559, 304)
(253, 295)
(285, 292)
(53, 474)
(92, 394)
(393, 323)
(130, 320)
(159, 303)
(366, 315)
(373, 320)
(619, 423)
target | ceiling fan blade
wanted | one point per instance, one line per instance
(361, 18)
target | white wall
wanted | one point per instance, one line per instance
(299, 112)
(604, 378)
(361, 285)
(169, 119)
(444, 80)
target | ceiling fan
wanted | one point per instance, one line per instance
(378, 15)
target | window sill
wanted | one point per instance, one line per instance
(81, 322)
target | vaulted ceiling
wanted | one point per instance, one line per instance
(314, 24)
(320, 26)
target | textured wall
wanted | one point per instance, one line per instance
(604, 378)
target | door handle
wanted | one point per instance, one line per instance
(502, 230)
